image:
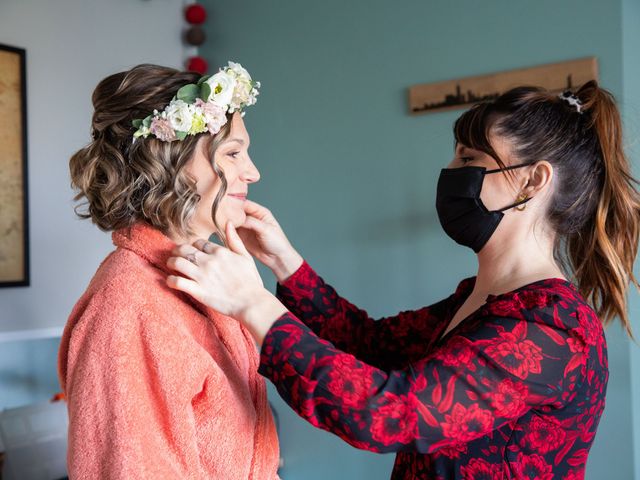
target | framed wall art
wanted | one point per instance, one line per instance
(14, 234)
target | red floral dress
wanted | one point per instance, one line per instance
(515, 391)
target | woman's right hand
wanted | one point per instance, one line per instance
(264, 239)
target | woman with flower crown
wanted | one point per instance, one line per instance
(158, 385)
(506, 377)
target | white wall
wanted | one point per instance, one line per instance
(71, 45)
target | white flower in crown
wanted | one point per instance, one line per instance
(179, 114)
(222, 86)
(239, 70)
(245, 91)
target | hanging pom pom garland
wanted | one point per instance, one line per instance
(194, 36)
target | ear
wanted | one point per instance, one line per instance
(539, 178)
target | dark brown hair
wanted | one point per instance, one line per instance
(123, 182)
(595, 206)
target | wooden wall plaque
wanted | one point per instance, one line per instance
(464, 92)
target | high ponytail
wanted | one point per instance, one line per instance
(595, 205)
(604, 251)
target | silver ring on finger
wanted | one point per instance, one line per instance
(207, 247)
(192, 258)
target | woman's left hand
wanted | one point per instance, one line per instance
(227, 280)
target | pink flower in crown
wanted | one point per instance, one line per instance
(162, 129)
(214, 114)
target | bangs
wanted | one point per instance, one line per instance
(473, 126)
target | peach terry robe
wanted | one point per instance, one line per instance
(158, 385)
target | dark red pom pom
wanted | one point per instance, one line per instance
(195, 36)
(195, 14)
(197, 64)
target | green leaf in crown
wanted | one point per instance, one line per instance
(205, 91)
(203, 79)
(188, 93)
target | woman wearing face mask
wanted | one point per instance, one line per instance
(159, 386)
(506, 377)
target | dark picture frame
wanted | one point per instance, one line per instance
(14, 221)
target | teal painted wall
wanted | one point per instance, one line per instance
(28, 371)
(631, 110)
(352, 177)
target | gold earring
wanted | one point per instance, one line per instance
(522, 206)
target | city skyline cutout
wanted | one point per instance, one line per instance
(470, 98)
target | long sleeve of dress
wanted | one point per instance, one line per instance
(466, 388)
(387, 343)
(137, 418)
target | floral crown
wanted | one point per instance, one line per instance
(201, 107)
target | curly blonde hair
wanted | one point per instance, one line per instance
(123, 182)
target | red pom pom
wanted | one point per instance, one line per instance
(197, 64)
(195, 14)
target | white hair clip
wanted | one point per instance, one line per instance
(572, 100)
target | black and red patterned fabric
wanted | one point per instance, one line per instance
(515, 391)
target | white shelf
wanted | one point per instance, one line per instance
(35, 334)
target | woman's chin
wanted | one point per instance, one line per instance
(236, 220)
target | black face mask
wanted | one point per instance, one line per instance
(461, 212)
